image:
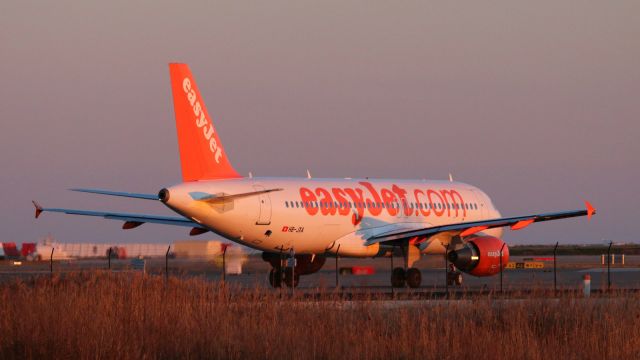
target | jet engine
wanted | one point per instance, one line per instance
(305, 264)
(480, 256)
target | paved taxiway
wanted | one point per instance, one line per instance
(570, 272)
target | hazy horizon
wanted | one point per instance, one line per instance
(534, 103)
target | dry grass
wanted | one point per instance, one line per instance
(102, 315)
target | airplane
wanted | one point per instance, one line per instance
(309, 219)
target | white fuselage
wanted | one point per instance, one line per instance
(314, 216)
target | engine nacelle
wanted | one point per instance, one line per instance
(480, 256)
(305, 264)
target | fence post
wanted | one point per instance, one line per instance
(446, 270)
(281, 269)
(393, 249)
(51, 261)
(609, 266)
(555, 279)
(586, 285)
(292, 265)
(501, 267)
(109, 257)
(337, 268)
(166, 264)
(224, 263)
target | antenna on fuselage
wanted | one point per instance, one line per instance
(450, 177)
(250, 175)
(308, 174)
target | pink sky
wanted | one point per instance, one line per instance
(537, 103)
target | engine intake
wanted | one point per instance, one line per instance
(480, 256)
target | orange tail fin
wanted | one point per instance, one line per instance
(202, 156)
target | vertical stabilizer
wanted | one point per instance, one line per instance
(202, 156)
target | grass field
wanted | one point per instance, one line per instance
(107, 315)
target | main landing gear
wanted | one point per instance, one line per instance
(454, 277)
(412, 277)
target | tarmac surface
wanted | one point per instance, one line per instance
(569, 273)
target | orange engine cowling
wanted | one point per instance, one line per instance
(480, 256)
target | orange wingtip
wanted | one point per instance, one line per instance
(38, 208)
(590, 209)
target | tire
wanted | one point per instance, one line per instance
(458, 279)
(398, 277)
(287, 278)
(275, 278)
(414, 278)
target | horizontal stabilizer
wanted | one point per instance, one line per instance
(130, 220)
(118, 193)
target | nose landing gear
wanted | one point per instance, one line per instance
(278, 277)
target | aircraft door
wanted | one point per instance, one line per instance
(264, 213)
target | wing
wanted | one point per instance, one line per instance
(130, 220)
(470, 228)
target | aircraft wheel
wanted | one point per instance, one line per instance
(397, 277)
(414, 278)
(275, 278)
(287, 278)
(458, 279)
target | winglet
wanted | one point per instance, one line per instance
(38, 208)
(590, 209)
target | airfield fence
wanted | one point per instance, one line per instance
(554, 272)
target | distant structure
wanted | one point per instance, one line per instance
(95, 250)
(198, 248)
(186, 249)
